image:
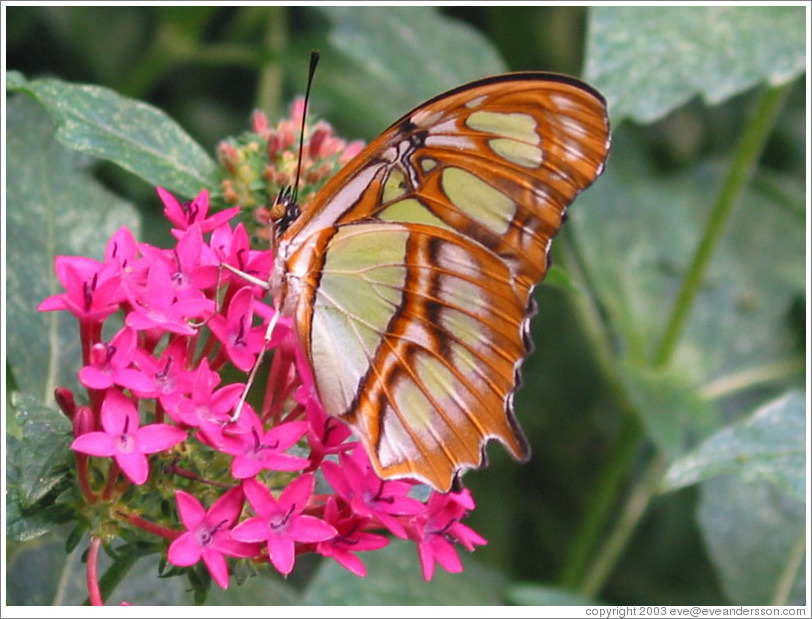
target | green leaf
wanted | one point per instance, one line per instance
(40, 571)
(769, 445)
(54, 208)
(560, 278)
(636, 232)
(648, 61)
(674, 414)
(528, 594)
(755, 536)
(129, 133)
(394, 577)
(37, 458)
(386, 60)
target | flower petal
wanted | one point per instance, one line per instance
(216, 564)
(184, 550)
(252, 530)
(93, 378)
(134, 465)
(298, 492)
(158, 437)
(118, 413)
(282, 554)
(260, 499)
(98, 444)
(245, 467)
(228, 507)
(311, 529)
(190, 510)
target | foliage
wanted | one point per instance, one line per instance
(673, 358)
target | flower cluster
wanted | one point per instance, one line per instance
(164, 447)
(259, 163)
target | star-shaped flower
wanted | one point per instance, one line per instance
(280, 522)
(124, 440)
(208, 534)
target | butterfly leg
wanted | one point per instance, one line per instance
(267, 340)
(252, 375)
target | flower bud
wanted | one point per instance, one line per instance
(65, 401)
(83, 421)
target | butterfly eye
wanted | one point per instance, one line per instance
(284, 211)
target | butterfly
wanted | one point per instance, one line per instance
(409, 276)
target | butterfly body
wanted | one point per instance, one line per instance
(409, 276)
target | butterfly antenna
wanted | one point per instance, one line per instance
(314, 60)
(287, 197)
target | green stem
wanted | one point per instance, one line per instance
(615, 471)
(783, 588)
(65, 575)
(269, 85)
(617, 540)
(607, 488)
(746, 158)
(753, 377)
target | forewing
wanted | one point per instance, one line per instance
(498, 161)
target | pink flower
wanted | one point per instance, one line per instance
(110, 364)
(121, 249)
(155, 304)
(325, 434)
(206, 405)
(92, 288)
(280, 522)
(170, 381)
(254, 448)
(368, 495)
(124, 440)
(242, 341)
(439, 528)
(183, 215)
(233, 248)
(208, 534)
(351, 538)
(192, 264)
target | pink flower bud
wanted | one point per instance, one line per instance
(259, 123)
(83, 421)
(65, 401)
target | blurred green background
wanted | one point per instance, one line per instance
(625, 250)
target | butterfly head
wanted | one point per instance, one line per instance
(284, 211)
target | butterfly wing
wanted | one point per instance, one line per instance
(410, 274)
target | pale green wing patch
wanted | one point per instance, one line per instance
(359, 291)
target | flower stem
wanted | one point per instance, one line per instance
(112, 478)
(747, 154)
(92, 571)
(146, 525)
(82, 476)
(753, 377)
